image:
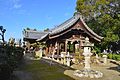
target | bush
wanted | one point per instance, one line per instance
(5, 71)
(9, 58)
(110, 56)
(114, 56)
(118, 57)
(100, 54)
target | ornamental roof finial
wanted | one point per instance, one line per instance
(77, 15)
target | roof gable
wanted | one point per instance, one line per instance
(68, 25)
(58, 31)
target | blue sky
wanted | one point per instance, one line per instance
(15, 15)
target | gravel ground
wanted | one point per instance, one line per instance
(110, 71)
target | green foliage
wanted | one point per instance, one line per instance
(110, 56)
(103, 17)
(91, 8)
(46, 30)
(39, 44)
(27, 28)
(100, 54)
(114, 56)
(10, 56)
(71, 46)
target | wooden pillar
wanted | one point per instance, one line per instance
(80, 44)
(46, 53)
(58, 50)
(66, 42)
(73, 47)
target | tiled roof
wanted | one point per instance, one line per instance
(70, 22)
(64, 25)
(44, 36)
(30, 34)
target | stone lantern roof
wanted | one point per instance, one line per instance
(87, 43)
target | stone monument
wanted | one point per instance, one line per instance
(87, 72)
(68, 59)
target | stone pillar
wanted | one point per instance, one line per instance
(87, 62)
(62, 61)
(65, 59)
(104, 59)
(40, 52)
(87, 55)
(66, 42)
(68, 59)
(53, 53)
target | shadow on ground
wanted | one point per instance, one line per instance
(116, 68)
(42, 69)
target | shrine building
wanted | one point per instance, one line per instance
(67, 37)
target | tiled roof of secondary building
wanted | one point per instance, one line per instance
(31, 34)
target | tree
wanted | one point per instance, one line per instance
(91, 8)
(2, 33)
(103, 17)
(46, 30)
(35, 29)
(27, 28)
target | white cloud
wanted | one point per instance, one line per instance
(16, 4)
(67, 14)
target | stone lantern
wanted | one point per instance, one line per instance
(87, 52)
(87, 72)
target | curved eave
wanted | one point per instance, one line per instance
(42, 38)
(31, 40)
(27, 38)
(64, 26)
(63, 32)
(91, 32)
